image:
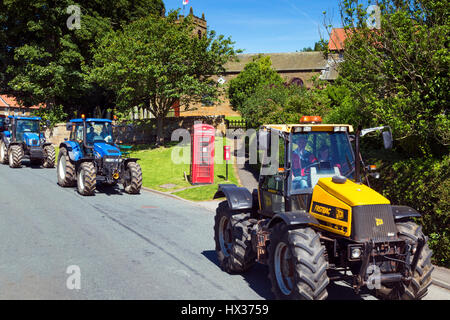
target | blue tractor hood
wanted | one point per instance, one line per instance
(102, 149)
(31, 139)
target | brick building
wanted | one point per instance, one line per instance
(9, 105)
(294, 67)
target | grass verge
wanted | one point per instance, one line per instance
(159, 169)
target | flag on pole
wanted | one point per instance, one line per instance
(185, 2)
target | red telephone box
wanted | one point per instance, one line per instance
(202, 154)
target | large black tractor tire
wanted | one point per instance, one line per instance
(3, 153)
(86, 179)
(133, 178)
(297, 264)
(233, 240)
(49, 157)
(417, 288)
(65, 170)
(15, 156)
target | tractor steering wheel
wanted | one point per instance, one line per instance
(316, 162)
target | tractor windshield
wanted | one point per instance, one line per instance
(316, 155)
(25, 126)
(99, 132)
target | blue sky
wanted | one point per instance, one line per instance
(263, 26)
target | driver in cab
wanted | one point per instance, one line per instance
(105, 134)
(301, 160)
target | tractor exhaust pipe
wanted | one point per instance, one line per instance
(85, 133)
(357, 155)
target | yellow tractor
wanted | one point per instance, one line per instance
(312, 220)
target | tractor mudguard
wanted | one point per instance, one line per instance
(125, 161)
(402, 213)
(238, 198)
(73, 150)
(85, 159)
(293, 218)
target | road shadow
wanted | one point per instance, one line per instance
(257, 279)
(342, 290)
(27, 163)
(109, 190)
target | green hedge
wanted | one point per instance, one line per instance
(423, 184)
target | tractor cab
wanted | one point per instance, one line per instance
(95, 136)
(97, 131)
(25, 129)
(306, 153)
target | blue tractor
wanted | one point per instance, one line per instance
(21, 138)
(91, 156)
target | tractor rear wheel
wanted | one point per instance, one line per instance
(49, 157)
(233, 240)
(133, 178)
(15, 156)
(65, 170)
(3, 153)
(297, 264)
(86, 179)
(417, 288)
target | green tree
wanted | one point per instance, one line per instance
(43, 61)
(321, 45)
(283, 104)
(257, 73)
(157, 61)
(399, 74)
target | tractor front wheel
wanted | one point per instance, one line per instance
(233, 240)
(15, 156)
(3, 153)
(86, 179)
(65, 170)
(417, 288)
(49, 157)
(297, 264)
(133, 178)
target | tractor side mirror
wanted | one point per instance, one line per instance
(264, 140)
(69, 126)
(387, 139)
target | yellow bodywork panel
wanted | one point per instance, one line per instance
(352, 193)
(333, 214)
(332, 203)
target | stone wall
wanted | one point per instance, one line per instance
(142, 131)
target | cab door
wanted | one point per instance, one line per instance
(272, 187)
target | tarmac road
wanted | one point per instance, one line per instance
(145, 246)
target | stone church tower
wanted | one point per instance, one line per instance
(200, 23)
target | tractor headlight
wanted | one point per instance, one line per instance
(356, 253)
